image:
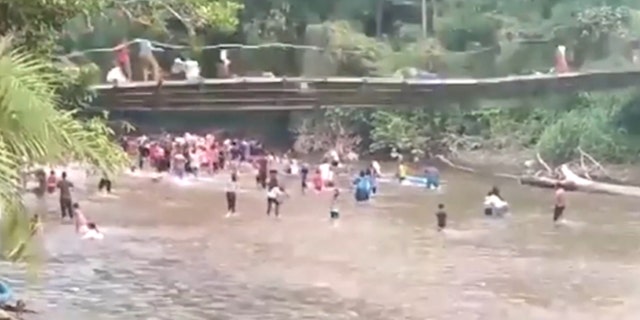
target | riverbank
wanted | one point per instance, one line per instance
(512, 162)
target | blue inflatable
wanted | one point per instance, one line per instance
(421, 181)
(6, 294)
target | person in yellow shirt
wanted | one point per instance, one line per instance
(402, 171)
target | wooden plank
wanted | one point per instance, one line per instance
(632, 74)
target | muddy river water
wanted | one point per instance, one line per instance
(169, 253)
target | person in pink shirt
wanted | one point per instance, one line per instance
(80, 220)
(88, 230)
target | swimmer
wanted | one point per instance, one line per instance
(231, 189)
(80, 220)
(559, 202)
(441, 217)
(92, 232)
(334, 213)
(488, 210)
(495, 204)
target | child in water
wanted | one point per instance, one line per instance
(87, 229)
(441, 217)
(488, 209)
(402, 172)
(363, 187)
(318, 184)
(304, 175)
(231, 189)
(334, 213)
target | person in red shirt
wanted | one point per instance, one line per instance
(318, 184)
(261, 178)
(122, 58)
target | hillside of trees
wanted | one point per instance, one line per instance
(477, 38)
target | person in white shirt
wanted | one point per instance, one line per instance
(326, 173)
(377, 170)
(494, 204)
(116, 76)
(92, 233)
(274, 196)
(334, 157)
(190, 68)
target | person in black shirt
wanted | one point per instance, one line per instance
(304, 174)
(441, 217)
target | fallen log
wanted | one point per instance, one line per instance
(583, 184)
(544, 182)
(449, 163)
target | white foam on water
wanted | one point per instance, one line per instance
(184, 182)
(570, 223)
(463, 234)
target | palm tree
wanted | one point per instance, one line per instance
(34, 129)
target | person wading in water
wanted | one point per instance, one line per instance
(231, 189)
(334, 212)
(560, 203)
(52, 182)
(441, 217)
(105, 183)
(274, 200)
(261, 179)
(65, 196)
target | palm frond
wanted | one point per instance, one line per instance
(33, 129)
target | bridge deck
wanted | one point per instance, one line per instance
(296, 93)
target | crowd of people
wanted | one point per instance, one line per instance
(196, 155)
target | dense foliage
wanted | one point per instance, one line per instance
(38, 95)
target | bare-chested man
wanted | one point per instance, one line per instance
(65, 187)
(559, 202)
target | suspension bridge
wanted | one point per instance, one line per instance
(265, 93)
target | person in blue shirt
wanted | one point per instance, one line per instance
(6, 294)
(373, 181)
(362, 187)
(432, 176)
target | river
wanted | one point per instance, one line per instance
(169, 253)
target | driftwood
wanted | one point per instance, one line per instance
(562, 175)
(449, 163)
(586, 185)
(531, 180)
(546, 182)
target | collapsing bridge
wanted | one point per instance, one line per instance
(264, 93)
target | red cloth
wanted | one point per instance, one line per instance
(123, 54)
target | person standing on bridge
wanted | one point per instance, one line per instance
(561, 64)
(148, 61)
(122, 58)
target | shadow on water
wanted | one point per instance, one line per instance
(170, 254)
